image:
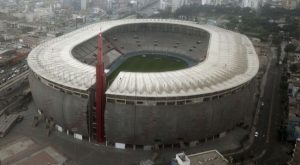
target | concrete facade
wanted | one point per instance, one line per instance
(66, 110)
(146, 124)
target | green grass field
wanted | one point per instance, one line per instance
(148, 63)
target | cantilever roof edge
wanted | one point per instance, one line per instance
(53, 61)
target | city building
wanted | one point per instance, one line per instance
(212, 2)
(296, 155)
(203, 158)
(178, 3)
(290, 4)
(293, 123)
(172, 4)
(254, 4)
(11, 57)
(83, 4)
(30, 41)
(66, 3)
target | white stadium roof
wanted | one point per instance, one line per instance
(231, 61)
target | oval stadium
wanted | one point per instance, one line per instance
(161, 81)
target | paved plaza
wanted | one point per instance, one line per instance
(27, 145)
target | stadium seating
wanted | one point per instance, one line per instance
(120, 43)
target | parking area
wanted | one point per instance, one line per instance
(7, 73)
(24, 151)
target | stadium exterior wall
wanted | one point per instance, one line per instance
(147, 124)
(66, 110)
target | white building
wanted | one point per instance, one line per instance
(83, 4)
(173, 4)
(39, 13)
(2, 25)
(290, 4)
(254, 4)
(178, 3)
(204, 158)
(163, 4)
(221, 2)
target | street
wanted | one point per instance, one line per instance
(266, 148)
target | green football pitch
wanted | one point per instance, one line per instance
(148, 63)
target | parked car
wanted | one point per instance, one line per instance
(20, 118)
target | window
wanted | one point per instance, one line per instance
(180, 102)
(139, 102)
(171, 103)
(188, 101)
(121, 101)
(110, 100)
(130, 102)
(160, 103)
(214, 97)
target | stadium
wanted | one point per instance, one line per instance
(143, 82)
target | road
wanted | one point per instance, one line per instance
(19, 77)
(276, 151)
(266, 148)
(271, 114)
(10, 71)
(11, 91)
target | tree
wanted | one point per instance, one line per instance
(276, 40)
(293, 67)
(289, 48)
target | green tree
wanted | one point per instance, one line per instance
(276, 40)
(289, 48)
(293, 67)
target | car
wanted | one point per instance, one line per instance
(155, 12)
(262, 103)
(20, 118)
(256, 134)
(2, 71)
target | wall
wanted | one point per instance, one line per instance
(67, 110)
(138, 124)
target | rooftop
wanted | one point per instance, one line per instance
(231, 61)
(212, 157)
(208, 158)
